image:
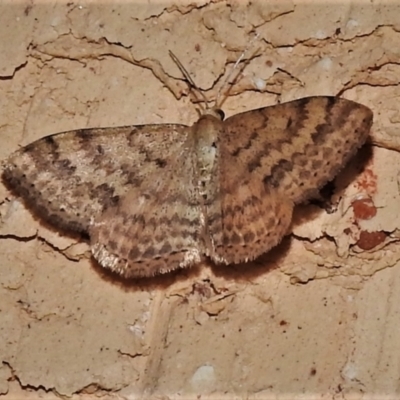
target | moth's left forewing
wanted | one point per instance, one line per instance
(297, 147)
(329, 145)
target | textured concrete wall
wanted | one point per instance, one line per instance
(318, 317)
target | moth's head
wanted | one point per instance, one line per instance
(205, 110)
(215, 112)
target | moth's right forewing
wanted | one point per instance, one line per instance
(71, 177)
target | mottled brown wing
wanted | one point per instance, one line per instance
(248, 220)
(155, 228)
(297, 147)
(274, 157)
(70, 178)
(244, 218)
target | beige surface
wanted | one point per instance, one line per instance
(316, 318)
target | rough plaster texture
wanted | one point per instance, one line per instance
(318, 317)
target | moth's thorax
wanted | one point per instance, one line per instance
(207, 131)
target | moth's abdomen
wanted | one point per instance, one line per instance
(206, 152)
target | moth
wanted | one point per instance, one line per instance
(154, 198)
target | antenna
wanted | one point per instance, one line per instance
(187, 76)
(238, 61)
(197, 90)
